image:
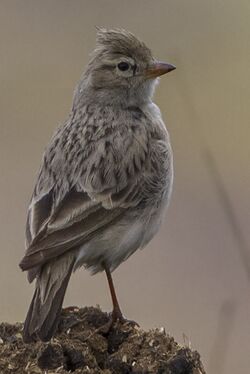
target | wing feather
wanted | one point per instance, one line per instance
(58, 242)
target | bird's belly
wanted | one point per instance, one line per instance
(134, 230)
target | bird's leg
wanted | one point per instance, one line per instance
(116, 314)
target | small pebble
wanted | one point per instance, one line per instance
(162, 330)
(151, 343)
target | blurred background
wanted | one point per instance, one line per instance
(194, 276)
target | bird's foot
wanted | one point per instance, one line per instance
(115, 319)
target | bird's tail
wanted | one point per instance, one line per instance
(45, 308)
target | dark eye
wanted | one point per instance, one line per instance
(123, 66)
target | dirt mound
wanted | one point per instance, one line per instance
(80, 348)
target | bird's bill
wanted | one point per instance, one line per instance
(159, 68)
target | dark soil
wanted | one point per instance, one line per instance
(79, 347)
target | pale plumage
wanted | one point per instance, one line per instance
(105, 178)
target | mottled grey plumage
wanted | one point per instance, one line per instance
(105, 178)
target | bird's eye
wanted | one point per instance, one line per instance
(123, 66)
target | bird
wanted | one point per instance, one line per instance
(104, 182)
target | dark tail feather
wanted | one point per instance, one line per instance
(44, 311)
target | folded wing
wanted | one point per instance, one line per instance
(71, 203)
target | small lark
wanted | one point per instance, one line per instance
(105, 179)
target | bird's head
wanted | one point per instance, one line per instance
(122, 68)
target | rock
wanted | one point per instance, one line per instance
(80, 347)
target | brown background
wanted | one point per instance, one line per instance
(191, 278)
